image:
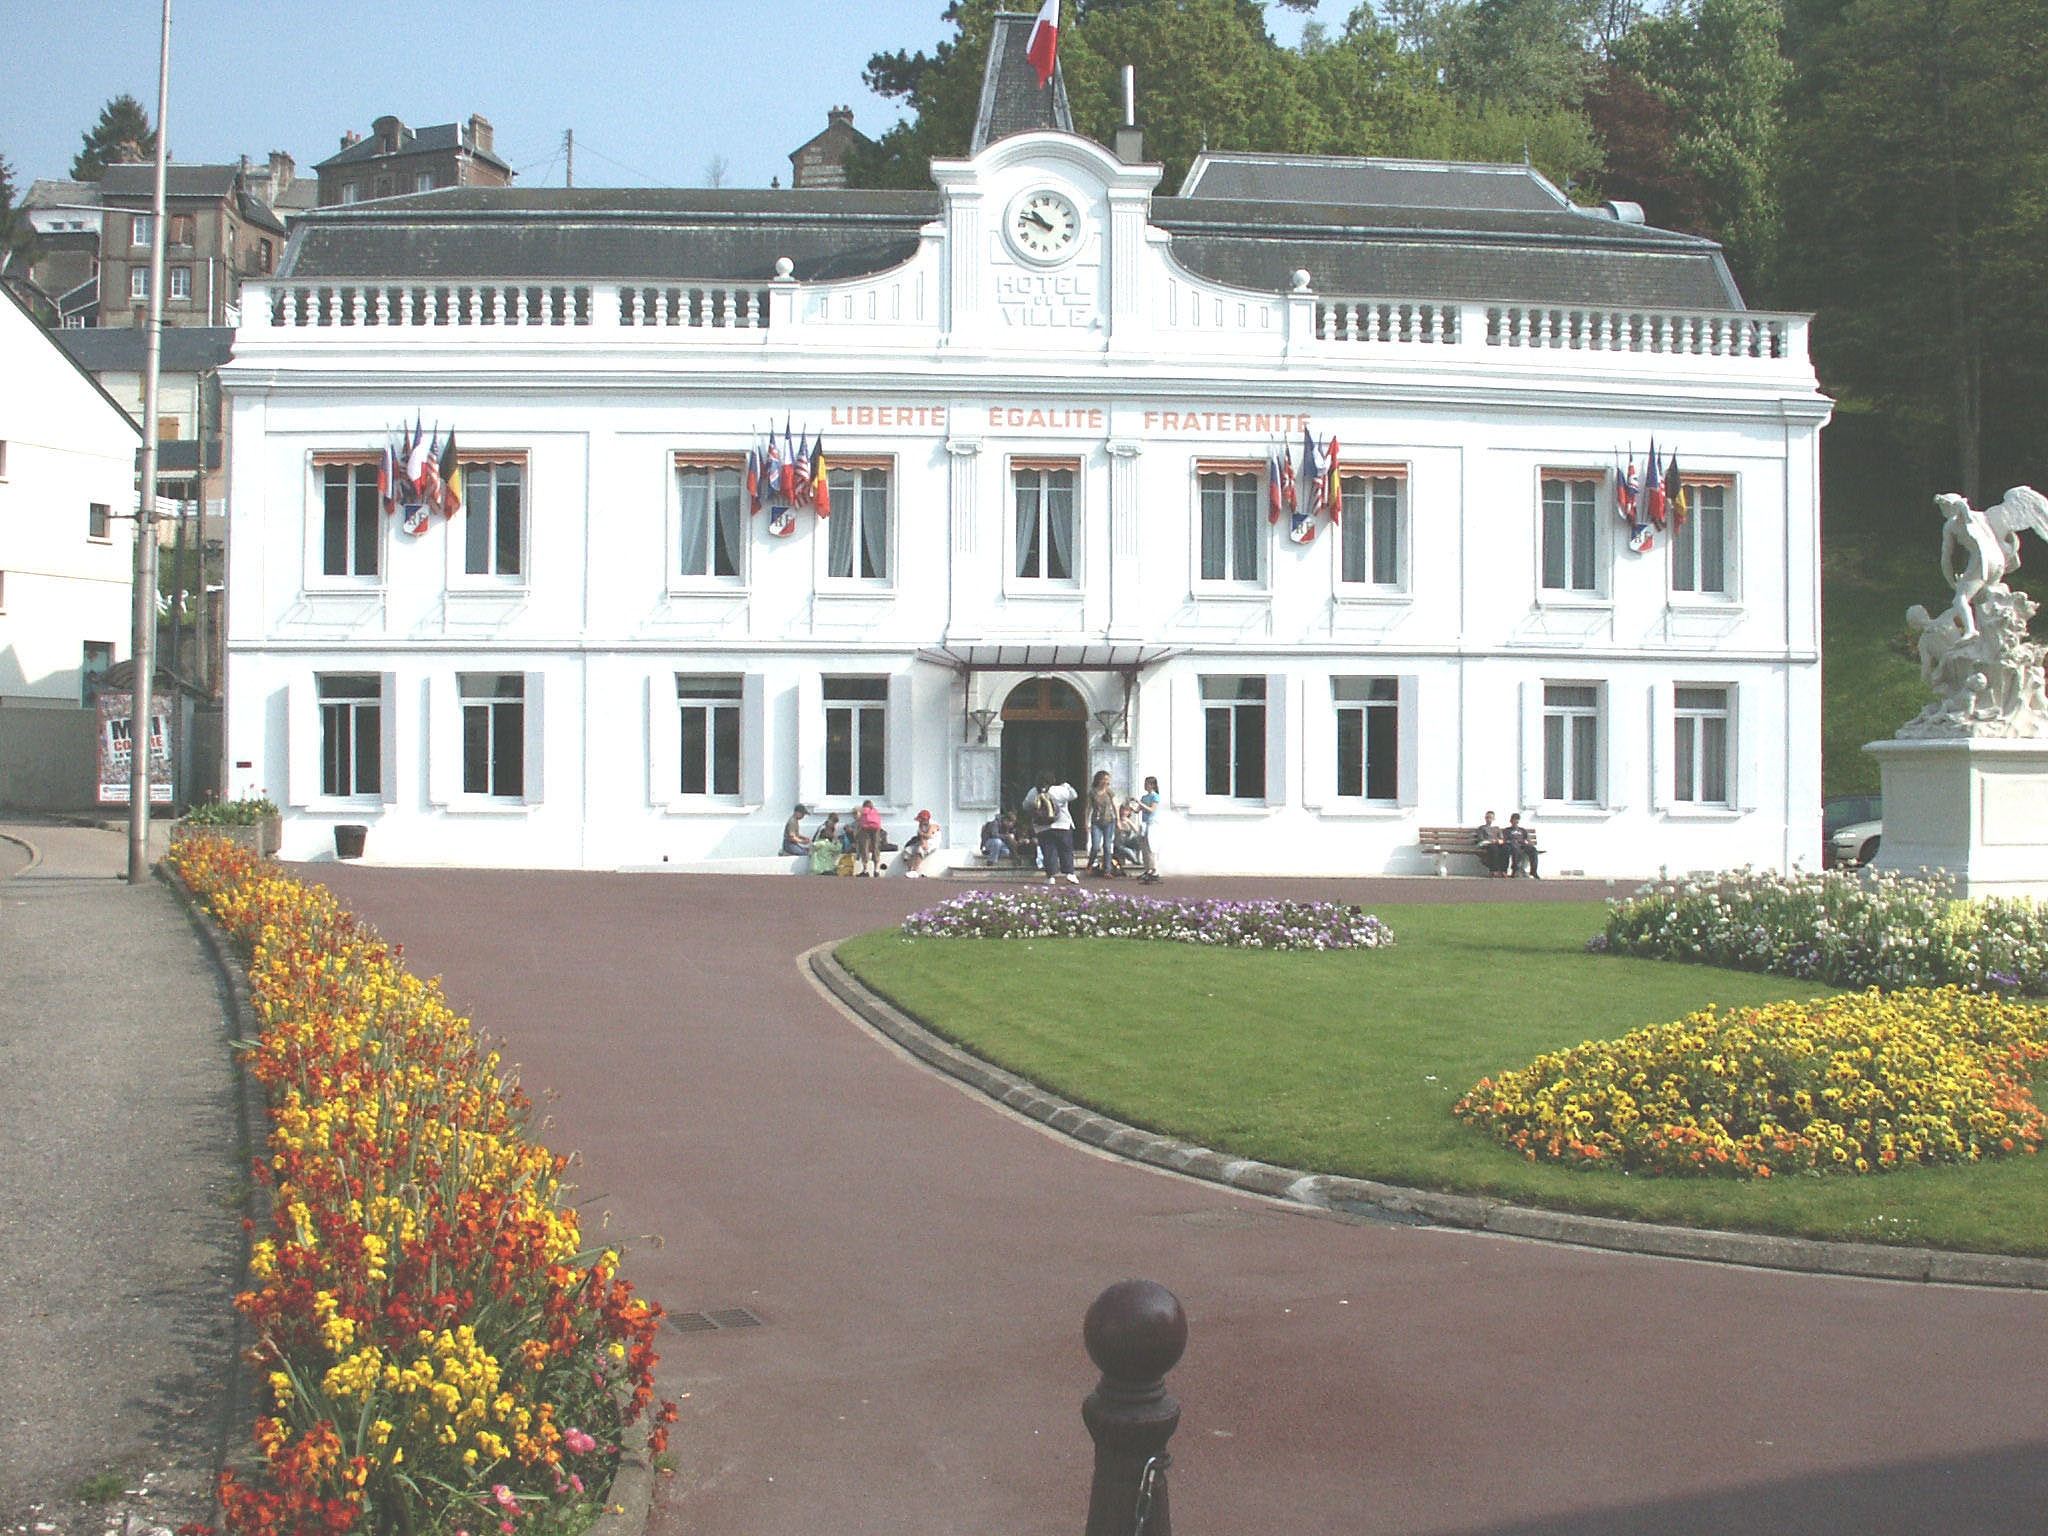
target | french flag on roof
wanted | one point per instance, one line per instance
(1044, 48)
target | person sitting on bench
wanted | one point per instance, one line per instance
(1494, 851)
(1522, 846)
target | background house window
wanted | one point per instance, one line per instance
(423, 182)
(857, 539)
(1699, 759)
(1570, 534)
(95, 658)
(1370, 552)
(1368, 737)
(383, 186)
(708, 530)
(493, 734)
(1230, 526)
(710, 708)
(494, 509)
(1571, 743)
(266, 257)
(138, 282)
(351, 735)
(179, 230)
(350, 525)
(99, 521)
(1234, 727)
(856, 727)
(181, 282)
(1699, 545)
(1045, 522)
(141, 230)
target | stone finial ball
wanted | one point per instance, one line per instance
(1301, 279)
(1135, 1331)
(783, 267)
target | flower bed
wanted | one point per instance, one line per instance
(440, 1352)
(1858, 1083)
(1847, 930)
(1077, 913)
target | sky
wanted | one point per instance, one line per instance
(656, 93)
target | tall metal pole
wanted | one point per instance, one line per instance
(145, 518)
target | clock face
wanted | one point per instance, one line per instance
(1045, 226)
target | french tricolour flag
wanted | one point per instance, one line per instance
(1044, 48)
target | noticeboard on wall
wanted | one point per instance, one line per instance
(116, 749)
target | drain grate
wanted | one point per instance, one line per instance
(717, 1321)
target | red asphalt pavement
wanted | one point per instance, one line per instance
(921, 1261)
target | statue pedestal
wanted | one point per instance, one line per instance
(1975, 808)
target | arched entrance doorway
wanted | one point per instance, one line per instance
(1045, 726)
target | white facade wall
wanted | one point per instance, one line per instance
(63, 583)
(945, 372)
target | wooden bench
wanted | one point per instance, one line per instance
(1441, 842)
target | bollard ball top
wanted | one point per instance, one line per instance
(1135, 1331)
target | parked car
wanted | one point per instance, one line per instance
(1850, 829)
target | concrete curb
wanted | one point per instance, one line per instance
(1420, 1207)
(629, 1507)
(35, 854)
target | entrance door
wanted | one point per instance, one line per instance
(1045, 727)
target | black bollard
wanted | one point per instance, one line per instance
(1135, 1332)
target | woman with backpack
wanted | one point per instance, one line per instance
(1056, 838)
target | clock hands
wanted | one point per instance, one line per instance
(1039, 219)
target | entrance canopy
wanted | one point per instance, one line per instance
(1129, 660)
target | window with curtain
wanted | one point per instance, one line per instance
(1044, 522)
(1370, 542)
(1231, 521)
(494, 515)
(1699, 757)
(351, 527)
(1699, 545)
(1571, 534)
(857, 532)
(1571, 743)
(708, 521)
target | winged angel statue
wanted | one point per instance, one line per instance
(1977, 656)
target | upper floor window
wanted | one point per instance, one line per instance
(1699, 758)
(1370, 543)
(350, 525)
(494, 517)
(1044, 523)
(1699, 544)
(1231, 520)
(138, 282)
(181, 282)
(179, 230)
(423, 182)
(266, 258)
(857, 531)
(1234, 737)
(141, 229)
(350, 192)
(1571, 532)
(708, 519)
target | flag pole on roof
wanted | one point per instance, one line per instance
(1044, 48)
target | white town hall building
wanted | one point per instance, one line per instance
(1049, 402)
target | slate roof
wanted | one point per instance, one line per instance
(214, 181)
(119, 349)
(1555, 255)
(417, 141)
(1370, 183)
(62, 194)
(1012, 100)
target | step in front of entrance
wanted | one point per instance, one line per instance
(979, 871)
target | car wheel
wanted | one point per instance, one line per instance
(1867, 852)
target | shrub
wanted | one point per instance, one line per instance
(1077, 913)
(439, 1350)
(1847, 930)
(1859, 1083)
(230, 813)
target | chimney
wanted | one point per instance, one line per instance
(351, 138)
(391, 134)
(839, 117)
(281, 172)
(1130, 138)
(480, 134)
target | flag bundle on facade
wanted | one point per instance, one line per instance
(786, 480)
(1653, 491)
(418, 475)
(800, 476)
(1043, 50)
(1301, 524)
(1278, 484)
(1628, 505)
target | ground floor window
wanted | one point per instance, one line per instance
(710, 710)
(493, 734)
(1234, 726)
(1368, 737)
(351, 735)
(1571, 742)
(1700, 746)
(856, 736)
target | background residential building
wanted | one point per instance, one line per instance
(218, 232)
(821, 162)
(395, 160)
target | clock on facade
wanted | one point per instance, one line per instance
(1044, 226)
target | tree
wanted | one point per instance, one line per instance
(15, 234)
(715, 171)
(123, 123)
(1916, 224)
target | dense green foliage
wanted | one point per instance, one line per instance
(122, 121)
(1349, 1062)
(1881, 162)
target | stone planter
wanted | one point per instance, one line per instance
(264, 837)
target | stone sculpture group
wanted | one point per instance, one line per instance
(1976, 654)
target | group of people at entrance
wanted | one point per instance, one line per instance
(1042, 830)
(855, 846)
(1509, 850)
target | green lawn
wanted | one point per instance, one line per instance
(1348, 1063)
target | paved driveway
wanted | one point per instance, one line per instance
(921, 1260)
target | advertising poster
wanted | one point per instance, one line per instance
(116, 761)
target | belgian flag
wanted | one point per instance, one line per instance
(451, 478)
